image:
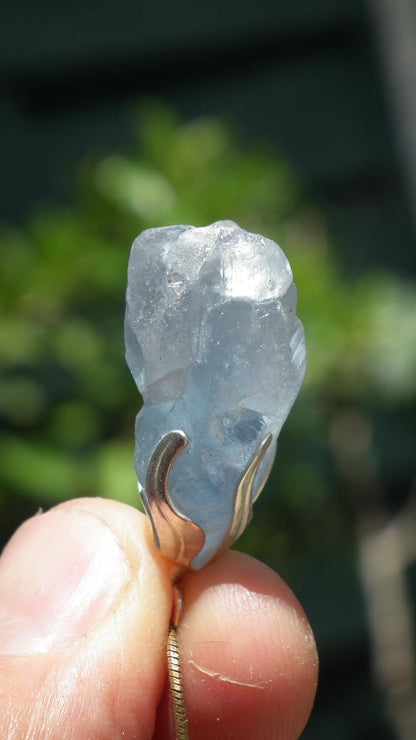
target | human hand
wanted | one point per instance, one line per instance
(85, 603)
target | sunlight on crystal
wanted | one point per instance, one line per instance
(224, 332)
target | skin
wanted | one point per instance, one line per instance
(85, 604)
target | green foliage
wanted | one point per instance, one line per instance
(67, 400)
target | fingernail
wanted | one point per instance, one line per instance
(60, 575)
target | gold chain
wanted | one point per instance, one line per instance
(176, 687)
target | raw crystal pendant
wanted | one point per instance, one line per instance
(218, 354)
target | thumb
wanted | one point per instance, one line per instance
(84, 611)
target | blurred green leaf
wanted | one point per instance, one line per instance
(115, 473)
(41, 472)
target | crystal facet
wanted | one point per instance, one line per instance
(216, 350)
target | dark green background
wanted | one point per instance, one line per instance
(302, 75)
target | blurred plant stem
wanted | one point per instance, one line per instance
(386, 547)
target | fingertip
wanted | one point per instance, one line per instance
(248, 654)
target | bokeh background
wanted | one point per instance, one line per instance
(297, 118)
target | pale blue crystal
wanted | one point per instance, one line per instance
(216, 350)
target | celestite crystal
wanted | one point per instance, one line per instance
(216, 350)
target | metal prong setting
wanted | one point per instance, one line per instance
(176, 536)
(243, 501)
